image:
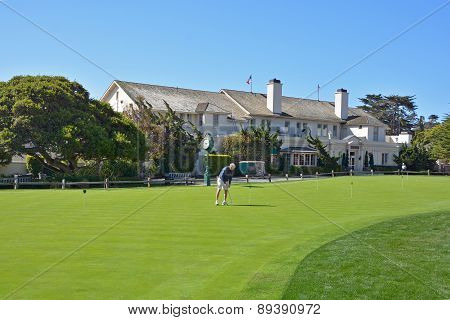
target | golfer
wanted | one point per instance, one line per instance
(224, 182)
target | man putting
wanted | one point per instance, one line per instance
(224, 182)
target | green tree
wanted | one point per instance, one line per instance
(371, 161)
(172, 143)
(398, 112)
(253, 144)
(415, 156)
(344, 161)
(324, 159)
(366, 159)
(436, 139)
(54, 120)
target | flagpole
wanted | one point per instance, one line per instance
(318, 90)
(251, 85)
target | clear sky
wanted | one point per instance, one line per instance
(211, 45)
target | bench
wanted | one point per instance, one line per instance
(179, 177)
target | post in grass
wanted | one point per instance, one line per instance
(84, 201)
(317, 181)
(351, 189)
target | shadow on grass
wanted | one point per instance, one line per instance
(252, 187)
(252, 205)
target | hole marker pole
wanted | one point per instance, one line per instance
(317, 181)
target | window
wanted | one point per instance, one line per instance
(375, 134)
(319, 130)
(215, 120)
(298, 125)
(268, 124)
(252, 123)
(304, 159)
(188, 117)
(200, 119)
(325, 130)
(287, 124)
(384, 158)
(305, 126)
(313, 160)
(296, 159)
(335, 131)
(307, 159)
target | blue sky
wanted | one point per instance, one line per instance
(211, 45)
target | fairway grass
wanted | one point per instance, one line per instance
(173, 243)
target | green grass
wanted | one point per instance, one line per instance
(172, 243)
(411, 261)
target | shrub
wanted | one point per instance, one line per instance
(297, 170)
(33, 165)
(118, 168)
(384, 168)
(217, 161)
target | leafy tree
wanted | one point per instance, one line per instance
(366, 159)
(324, 159)
(172, 143)
(398, 112)
(433, 119)
(416, 157)
(54, 120)
(371, 161)
(34, 166)
(344, 161)
(436, 140)
(253, 144)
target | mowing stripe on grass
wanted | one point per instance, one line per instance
(359, 240)
(86, 243)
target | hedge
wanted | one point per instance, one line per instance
(216, 162)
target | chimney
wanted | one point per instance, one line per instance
(341, 103)
(274, 96)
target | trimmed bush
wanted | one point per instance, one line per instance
(384, 168)
(217, 161)
(296, 170)
(33, 165)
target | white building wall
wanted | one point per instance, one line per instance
(360, 132)
(118, 99)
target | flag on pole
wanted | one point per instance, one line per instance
(249, 80)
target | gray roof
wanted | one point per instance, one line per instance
(256, 104)
(182, 100)
(298, 149)
(240, 104)
(358, 117)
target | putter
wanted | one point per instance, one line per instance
(229, 196)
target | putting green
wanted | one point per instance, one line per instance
(173, 243)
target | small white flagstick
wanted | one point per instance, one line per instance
(351, 190)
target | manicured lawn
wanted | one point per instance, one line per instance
(412, 262)
(172, 243)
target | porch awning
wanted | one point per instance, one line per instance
(303, 149)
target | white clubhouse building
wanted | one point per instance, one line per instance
(222, 113)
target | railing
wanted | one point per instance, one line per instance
(27, 182)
